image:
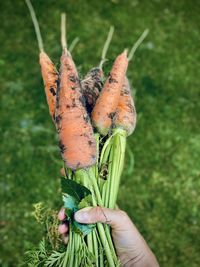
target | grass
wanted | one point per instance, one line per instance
(162, 195)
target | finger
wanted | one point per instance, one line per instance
(65, 238)
(62, 171)
(63, 228)
(117, 219)
(61, 214)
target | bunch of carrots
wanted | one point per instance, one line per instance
(93, 118)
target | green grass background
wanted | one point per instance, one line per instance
(162, 195)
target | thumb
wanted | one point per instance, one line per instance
(115, 218)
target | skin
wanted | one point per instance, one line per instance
(131, 247)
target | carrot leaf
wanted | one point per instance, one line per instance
(75, 197)
(71, 188)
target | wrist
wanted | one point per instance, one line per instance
(139, 259)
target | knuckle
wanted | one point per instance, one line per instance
(99, 214)
(123, 215)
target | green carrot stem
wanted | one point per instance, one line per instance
(36, 25)
(96, 166)
(100, 202)
(95, 245)
(105, 245)
(109, 179)
(63, 31)
(104, 193)
(117, 163)
(97, 136)
(105, 161)
(90, 242)
(75, 258)
(107, 158)
(114, 174)
(101, 250)
(73, 44)
(96, 188)
(65, 261)
(86, 178)
(71, 261)
(106, 46)
(67, 254)
(69, 249)
(106, 145)
(106, 236)
(137, 44)
(100, 165)
(77, 247)
(122, 144)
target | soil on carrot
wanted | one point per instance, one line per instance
(161, 193)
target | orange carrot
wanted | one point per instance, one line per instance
(92, 86)
(93, 81)
(76, 138)
(49, 72)
(106, 105)
(50, 78)
(126, 114)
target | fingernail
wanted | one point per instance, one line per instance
(61, 214)
(82, 215)
(62, 171)
(62, 228)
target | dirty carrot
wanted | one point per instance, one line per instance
(126, 113)
(76, 139)
(50, 78)
(105, 107)
(49, 72)
(93, 81)
(124, 124)
(91, 86)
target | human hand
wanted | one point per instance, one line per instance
(131, 247)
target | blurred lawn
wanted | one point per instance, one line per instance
(162, 195)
